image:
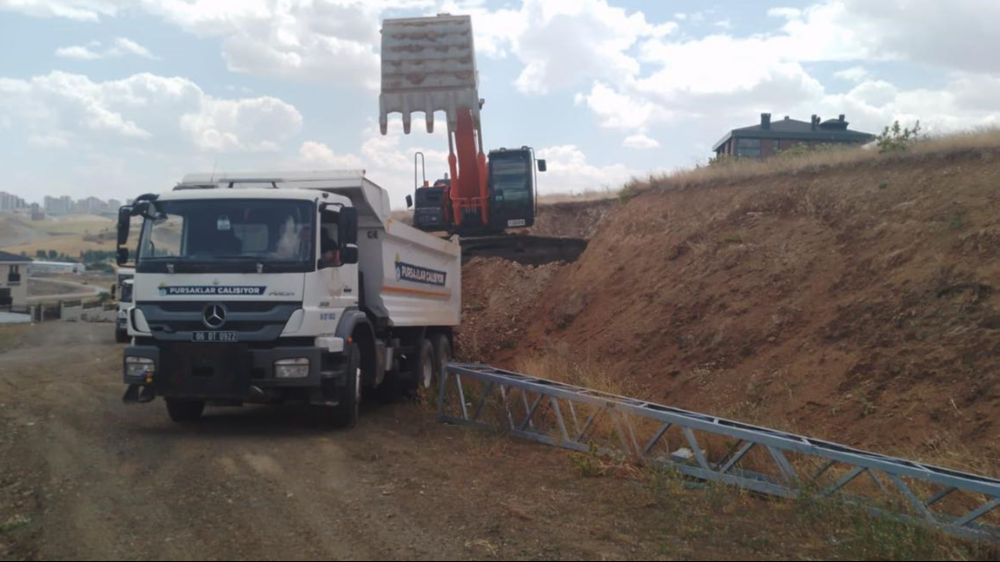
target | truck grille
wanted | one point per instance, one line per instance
(254, 321)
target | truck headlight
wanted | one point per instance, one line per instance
(297, 368)
(139, 366)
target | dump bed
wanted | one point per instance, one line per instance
(410, 278)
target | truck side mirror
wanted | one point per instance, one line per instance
(542, 166)
(124, 223)
(347, 228)
(409, 201)
(349, 253)
(122, 257)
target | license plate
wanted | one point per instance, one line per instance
(215, 337)
(517, 222)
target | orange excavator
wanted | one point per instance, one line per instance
(429, 66)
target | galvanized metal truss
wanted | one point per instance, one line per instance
(709, 448)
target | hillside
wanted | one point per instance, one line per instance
(855, 301)
(69, 235)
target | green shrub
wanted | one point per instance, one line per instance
(895, 138)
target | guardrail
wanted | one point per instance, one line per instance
(705, 447)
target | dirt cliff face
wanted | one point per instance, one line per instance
(859, 303)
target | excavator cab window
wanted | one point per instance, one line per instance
(512, 188)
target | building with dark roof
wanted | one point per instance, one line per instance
(768, 138)
(13, 281)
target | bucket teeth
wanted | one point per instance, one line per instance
(428, 65)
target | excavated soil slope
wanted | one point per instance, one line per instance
(857, 303)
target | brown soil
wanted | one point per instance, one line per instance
(571, 219)
(859, 303)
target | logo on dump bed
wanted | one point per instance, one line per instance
(416, 274)
(211, 291)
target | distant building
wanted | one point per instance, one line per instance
(13, 281)
(769, 138)
(58, 267)
(10, 202)
(59, 205)
(90, 206)
(37, 214)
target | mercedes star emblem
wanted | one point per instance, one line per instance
(214, 316)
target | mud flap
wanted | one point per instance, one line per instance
(139, 394)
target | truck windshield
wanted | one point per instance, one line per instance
(511, 175)
(220, 233)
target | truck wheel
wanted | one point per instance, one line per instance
(442, 356)
(345, 413)
(121, 336)
(425, 370)
(185, 411)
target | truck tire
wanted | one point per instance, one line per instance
(442, 356)
(185, 411)
(345, 413)
(121, 336)
(425, 371)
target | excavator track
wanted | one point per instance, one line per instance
(523, 249)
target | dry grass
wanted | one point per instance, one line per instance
(583, 197)
(729, 171)
(69, 235)
(558, 364)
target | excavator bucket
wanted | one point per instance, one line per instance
(428, 65)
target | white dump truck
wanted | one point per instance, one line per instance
(272, 288)
(122, 291)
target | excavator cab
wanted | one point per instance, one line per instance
(512, 187)
(430, 209)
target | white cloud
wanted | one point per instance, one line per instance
(318, 155)
(125, 46)
(60, 108)
(77, 52)
(299, 39)
(618, 110)
(958, 34)
(572, 41)
(80, 10)
(121, 47)
(719, 78)
(251, 124)
(967, 101)
(640, 141)
(853, 74)
(569, 171)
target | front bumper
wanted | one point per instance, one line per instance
(233, 372)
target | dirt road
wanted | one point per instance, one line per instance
(47, 289)
(83, 476)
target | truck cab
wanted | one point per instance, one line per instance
(295, 287)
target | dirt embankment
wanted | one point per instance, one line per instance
(572, 219)
(859, 303)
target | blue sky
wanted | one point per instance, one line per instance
(109, 98)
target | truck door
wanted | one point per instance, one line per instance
(334, 273)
